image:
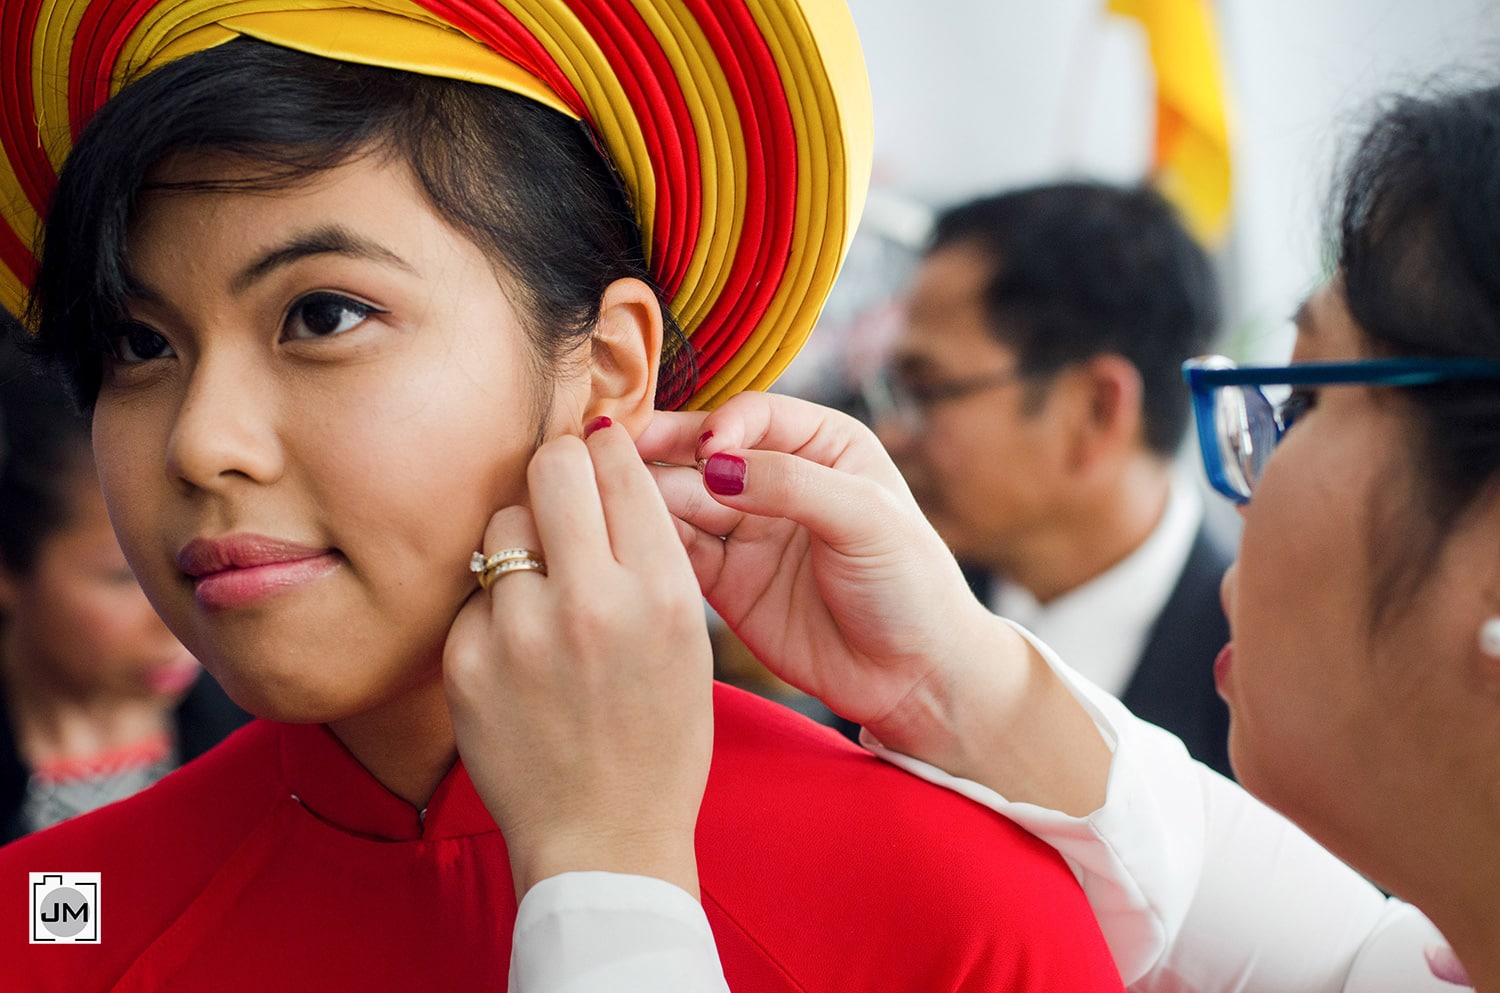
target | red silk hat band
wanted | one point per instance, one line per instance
(741, 128)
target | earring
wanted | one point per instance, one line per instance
(1489, 637)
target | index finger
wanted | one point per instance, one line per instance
(752, 419)
(776, 423)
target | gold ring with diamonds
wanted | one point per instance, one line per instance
(488, 569)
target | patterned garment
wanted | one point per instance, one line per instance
(58, 791)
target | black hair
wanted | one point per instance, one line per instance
(1083, 269)
(526, 183)
(1418, 249)
(46, 447)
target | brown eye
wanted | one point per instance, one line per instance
(321, 315)
(131, 342)
(1296, 406)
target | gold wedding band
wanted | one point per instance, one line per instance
(489, 569)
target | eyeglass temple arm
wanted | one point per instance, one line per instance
(1391, 372)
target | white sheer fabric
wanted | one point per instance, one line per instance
(1197, 885)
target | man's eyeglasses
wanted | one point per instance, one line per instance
(1239, 426)
(887, 396)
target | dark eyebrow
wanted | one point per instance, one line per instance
(331, 239)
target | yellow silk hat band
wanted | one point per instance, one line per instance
(741, 128)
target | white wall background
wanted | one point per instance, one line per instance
(971, 96)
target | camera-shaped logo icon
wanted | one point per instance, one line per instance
(65, 908)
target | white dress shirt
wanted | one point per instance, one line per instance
(1102, 626)
(1198, 888)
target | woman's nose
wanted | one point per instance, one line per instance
(225, 428)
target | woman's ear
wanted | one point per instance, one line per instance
(626, 352)
(1477, 553)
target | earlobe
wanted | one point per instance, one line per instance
(626, 350)
(1487, 643)
(1489, 637)
(1479, 565)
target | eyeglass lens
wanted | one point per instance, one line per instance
(1246, 426)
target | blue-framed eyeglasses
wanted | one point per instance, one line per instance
(1239, 426)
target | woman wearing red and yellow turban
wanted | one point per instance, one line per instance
(353, 290)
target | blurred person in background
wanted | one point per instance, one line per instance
(97, 699)
(1034, 403)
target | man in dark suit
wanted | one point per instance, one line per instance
(1034, 401)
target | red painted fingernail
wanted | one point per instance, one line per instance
(702, 440)
(599, 422)
(724, 474)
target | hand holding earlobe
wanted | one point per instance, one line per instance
(809, 544)
(807, 541)
(581, 692)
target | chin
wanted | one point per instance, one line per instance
(1254, 770)
(289, 696)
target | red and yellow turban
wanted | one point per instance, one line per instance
(741, 128)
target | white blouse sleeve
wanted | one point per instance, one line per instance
(584, 932)
(1200, 887)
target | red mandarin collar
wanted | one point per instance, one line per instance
(331, 783)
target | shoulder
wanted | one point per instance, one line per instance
(153, 852)
(803, 834)
(194, 802)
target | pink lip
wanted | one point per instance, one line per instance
(238, 570)
(1222, 665)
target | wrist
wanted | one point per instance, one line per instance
(962, 700)
(662, 854)
(1000, 716)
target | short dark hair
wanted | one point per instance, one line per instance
(1418, 250)
(528, 184)
(46, 446)
(1084, 269)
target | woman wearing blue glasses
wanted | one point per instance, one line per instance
(1364, 675)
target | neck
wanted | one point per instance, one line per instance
(1475, 938)
(1452, 875)
(406, 744)
(1105, 528)
(1435, 847)
(53, 724)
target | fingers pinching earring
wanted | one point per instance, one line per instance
(488, 569)
(1489, 637)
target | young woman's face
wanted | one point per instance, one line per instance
(1343, 686)
(324, 396)
(77, 622)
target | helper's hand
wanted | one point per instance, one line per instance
(582, 698)
(808, 543)
(823, 564)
